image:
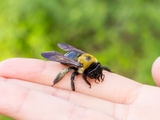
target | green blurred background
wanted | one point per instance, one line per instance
(123, 35)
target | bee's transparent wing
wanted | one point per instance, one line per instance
(67, 47)
(58, 57)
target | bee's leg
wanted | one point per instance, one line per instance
(85, 79)
(72, 79)
(107, 69)
(61, 75)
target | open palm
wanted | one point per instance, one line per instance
(26, 94)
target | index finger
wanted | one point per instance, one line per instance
(114, 88)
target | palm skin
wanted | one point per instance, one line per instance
(26, 94)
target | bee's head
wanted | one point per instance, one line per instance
(95, 71)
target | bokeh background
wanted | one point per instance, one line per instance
(123, 35)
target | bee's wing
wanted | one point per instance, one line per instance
(67, 47)
(58, 57)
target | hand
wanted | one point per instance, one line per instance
(26, 94)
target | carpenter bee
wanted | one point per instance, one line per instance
(78, 61)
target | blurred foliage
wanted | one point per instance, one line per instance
(5, 118)
(123, 35)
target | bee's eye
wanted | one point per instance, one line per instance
(88, 58)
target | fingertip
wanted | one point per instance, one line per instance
(156, 71)
(15, 66)
(5, 66)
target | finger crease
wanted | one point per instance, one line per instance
(77, 113)
(23, 100)
(132, 95)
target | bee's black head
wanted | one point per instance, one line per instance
(94, 71)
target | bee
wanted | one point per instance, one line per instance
(79, 62)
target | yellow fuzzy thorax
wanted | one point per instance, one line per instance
(86, 60)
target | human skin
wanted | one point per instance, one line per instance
(26, 94)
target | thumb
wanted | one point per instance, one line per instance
(156, 71)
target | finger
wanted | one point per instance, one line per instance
(114, 88)
(148, 95)
(117, 111)
(155, 71)
(28, 69)
(21, 103)
(77, 98)
(74, 97)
